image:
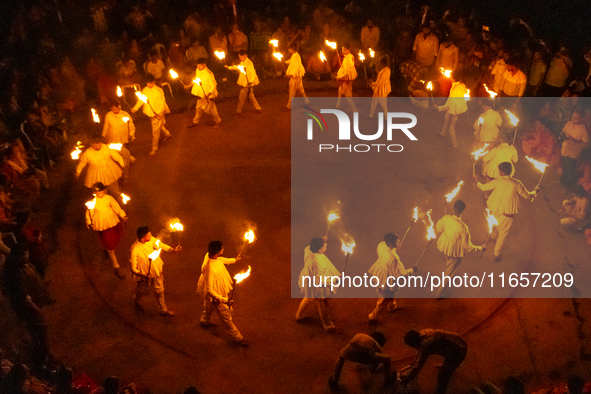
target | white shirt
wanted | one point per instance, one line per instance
(248, 79)
(156, 100)
(426, 49)
(208, 84)
(105, 214)
(347, 70)
(140, 262)
(448, 57)
(102, 166)
(504, 153)
(295, 68)
(370, 38)
(155, 69)
(215, 280)
(505, 196)
(454, 240)
(513, 84)
(489, 131)
(382, 87)
(115, 130)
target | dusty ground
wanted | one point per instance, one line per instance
(220, 182)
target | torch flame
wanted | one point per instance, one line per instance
(115, 146)
(430, 228)
(173, 74)
(197, 81)
(492, 93)
(241, 68)
(124, 198)
(125, 119)
(538, 164)
(514, 120)
(220, 54)
(480, 152)
(242, 275)
(274, 42)
(371, 53)
(492, 221)
(361, 56)
(347, 247)
(155, 254)
(430, 86)
(176, 226)
(332, 217)
(141, 96)
(76, 152)
(278, 55)
(454, 193)
(445, 72)
(415, 216)
(90, 204)
(249, 236)
(322, 57)
(119, 91)
(480, 121)
(331, 44)
(95, 116)
(467, 94)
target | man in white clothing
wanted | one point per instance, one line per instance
(205, 88)
(247, 79)
(454, 106)
(215, 286)
(155, 108)
(147, 265)
(486, 127)
(295, 72)
(345, 76)
(370, 36)
(381, 88)
(387, 265)
(119, 129)
(497, 155)
(504, 203)
(454, 241)
(426, 47)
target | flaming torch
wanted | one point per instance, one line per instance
(429, 87)
(333, 45)
(415, 217)
(331, 218)
(119, 91)
(540, 167)
(492, 221)
(514, 120)
(248, 237)
(371, 53)
(95, 117)
(347, 247)
(492, 93)
(430, 234)
(144, 98)
(90, 207)
(220, 55)
(449, 197)
(178, 227)
(477, 155)
(278, 55)
(239, 277)
(124, 198)
(116, 146)
(197, 81)
(275, 43)
(77, 150)
(362, 59)
(322, 57)
(173, 74)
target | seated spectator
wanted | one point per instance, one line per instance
(370, 36)
(237, 41)
(317, 67)
(218, 42)
(155, 67)
(30, 236)
(576, 210)
(127, 71)
(7, 217)
(448, 55)
(195, 52)
(536, 75)
(540, 144)
(557, 75)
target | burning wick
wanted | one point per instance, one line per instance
(125, 119)
(248, 237)
(361, 56)
(95, 116)
(331, 218)
(454, 193)
(116, 146)
(173, 74)
(239, 277)
(77, 150)
(492, 221)
(331, 44)
(275, 43)
(124, 198)
(347, 247)
(156, 253)
(119, 91)
(540, 167)
(278, 55)
(445, 72)
(492, 93)
(371, 53)
(178, 227)
(322, 57)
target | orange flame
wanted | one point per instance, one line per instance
(176, 226)
(492, 221)
(95, 116)
(77, 150)
(249, 236)
(90, 204)
(124, 198)
(331, 44)
(115, 146)
(173, 74)
(241, 68)
(371, 53)
(220, 55)
(119, 91)
(445, 72)
(347, 247)
(416, 214)
(141, 96)
(492, 93)
(430, 86)
(467, 94)
(333, 216)
(514, 120)
(278, 55)
(125, 119)
(197, 81)
(361, 56)
(242, 275)
(155, 254)
(430, 228)
(480, 152)
(322, 57)
(274, 42)
(480, 121)
(538, 164)
(454, 193)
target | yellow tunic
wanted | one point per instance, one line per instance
(505, 196)
(105, 214)
(215, 279)
(500, 154)
(295, 68)
(455, 237)
(387, 264)
(102, 166)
